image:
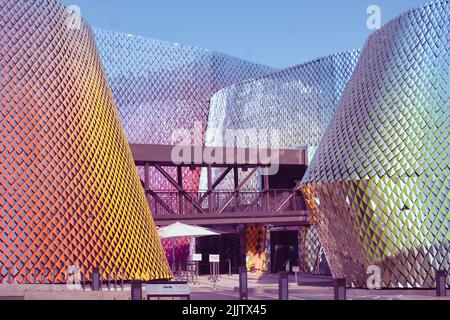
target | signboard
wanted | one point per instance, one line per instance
(214, 258)
(168, 290)
(295, 269)
(197, 257)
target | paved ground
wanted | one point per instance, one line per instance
(225, 289)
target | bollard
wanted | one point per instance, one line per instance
(136, 290)
(95, 280)
(243, 284)
(283, 286)
(83, 279)
(121, 280)
(441, 283)
(340, 289)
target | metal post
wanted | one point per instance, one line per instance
(83, 279)
(229, 267)
(340, 289)
(283, 286)
(266, 190)
(95, 279)
(196, 272)
(441, 283)
(180, 194)
(115, 279)
(136, 290)
(121, 280)
(242, 249)
(243, 284)
(236, 186)
(210, 197)
(147, 184)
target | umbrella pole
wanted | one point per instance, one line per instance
(173, 256)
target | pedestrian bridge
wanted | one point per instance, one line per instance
(223, 207)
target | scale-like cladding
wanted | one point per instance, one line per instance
(379, 183)
(70, 193)
(162, 87)
(292, 107)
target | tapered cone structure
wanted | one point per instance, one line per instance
(70, 193)
(379, 182)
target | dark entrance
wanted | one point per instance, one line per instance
(284, 248)
(227, 246)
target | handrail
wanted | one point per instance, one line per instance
(226, 201)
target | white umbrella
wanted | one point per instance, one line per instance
(181, 230)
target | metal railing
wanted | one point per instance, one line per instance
(225, 201)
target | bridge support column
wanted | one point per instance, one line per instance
(180, 194)
(266, 189)
(242, 247)
(210, 196)
(146, 182)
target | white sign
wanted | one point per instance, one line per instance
(214, 258)
(295, 269)
(197, 257)
(167, 289)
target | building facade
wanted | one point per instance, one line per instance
(379, 183)
(162, 87)
(292, 108)
(69, 191)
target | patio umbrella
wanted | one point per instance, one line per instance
(181, 230)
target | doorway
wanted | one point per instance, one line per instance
(284, 248)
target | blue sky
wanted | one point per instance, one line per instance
(276, 33)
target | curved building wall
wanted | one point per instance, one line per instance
(70, 193)
(379, 183)
(160, 87)
(293, 105)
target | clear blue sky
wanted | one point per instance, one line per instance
(276, 33)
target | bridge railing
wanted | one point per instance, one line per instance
(225, 201)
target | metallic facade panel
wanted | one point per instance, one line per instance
(160, 87)
(297, 103)
(379, 183)
(70, 193)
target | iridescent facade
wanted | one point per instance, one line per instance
(69, 190)
(296, 103)
(160, 87)
(379, 183)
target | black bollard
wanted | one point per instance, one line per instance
(441, 283)
(283, 286)
(340, 289)
(136, 290)
(243, 284)
(95, 279)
